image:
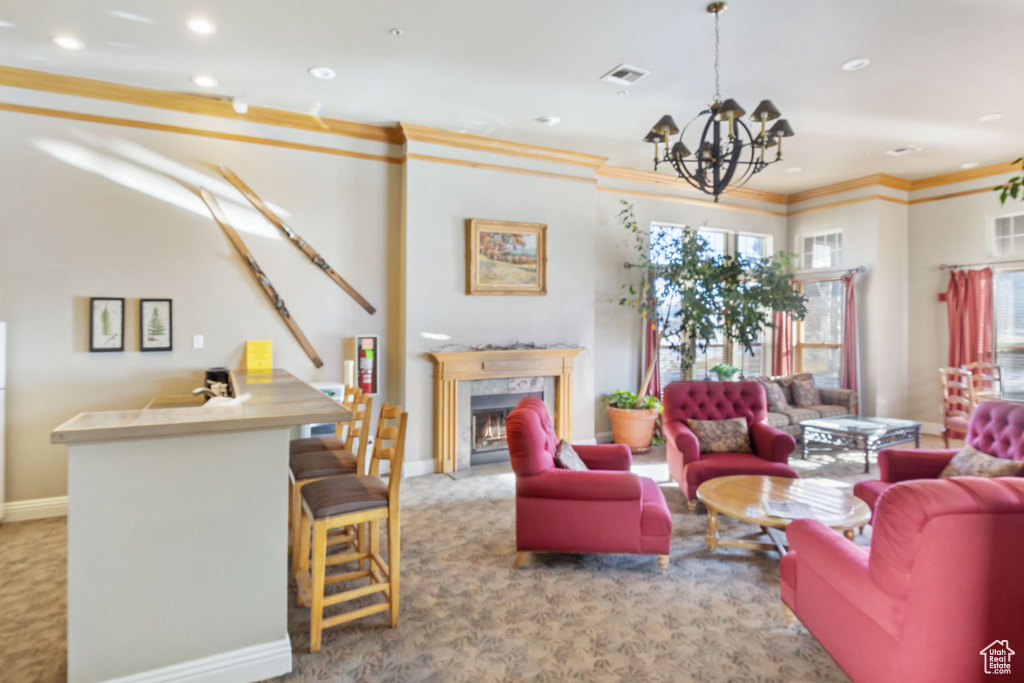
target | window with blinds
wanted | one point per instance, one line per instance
(824, 250)
(819, 337)
(1009, 324)
(718, 351)
(1009, 235)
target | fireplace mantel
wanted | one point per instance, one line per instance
(461, 366)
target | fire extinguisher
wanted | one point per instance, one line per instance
(366, 370)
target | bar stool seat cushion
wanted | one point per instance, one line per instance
(317, 464)
(343, 495)
(314, 444)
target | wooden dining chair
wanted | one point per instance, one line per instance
(958, 400)
(987, 379)
(358, 500)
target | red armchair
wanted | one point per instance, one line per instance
(941, 581)
(606, 509)
(996, 428)
(721, 401)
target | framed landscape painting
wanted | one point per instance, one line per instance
(155, 324)
(106, 324)
(505, 258)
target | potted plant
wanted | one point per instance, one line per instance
(726, 373)
(688, 293)
(633, 419)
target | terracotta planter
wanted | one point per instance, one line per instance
(633, 427)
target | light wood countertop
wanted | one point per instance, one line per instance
(279, 399)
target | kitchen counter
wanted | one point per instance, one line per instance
(279, 399)
(178, 535)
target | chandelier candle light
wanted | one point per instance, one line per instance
(726, 157)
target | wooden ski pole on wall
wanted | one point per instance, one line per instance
(261, 278)
(309, 251)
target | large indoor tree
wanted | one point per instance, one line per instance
(690, 293)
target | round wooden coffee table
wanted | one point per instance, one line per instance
(742, 496)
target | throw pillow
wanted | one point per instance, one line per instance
(805, 393)
(786, 382)
(970, 462)
(567, 458)
(722, 436)
(776, 396)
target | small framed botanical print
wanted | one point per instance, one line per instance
(106, 324)
(505, 258)
(155, 324)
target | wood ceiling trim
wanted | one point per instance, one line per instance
(693, 202)
(495, 167)
(848, 185)
(654, 178)
(479, 143)
(961, 176)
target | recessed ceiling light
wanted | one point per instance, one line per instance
(989, 118)
(622, 93)
(67, 42)
(795, 169)
(201, 26)
(130, 16)
(969, 164)
(204, 81)
(856, 64)
(6, 24)
(397, 32)
(549, 120)
(324, 73)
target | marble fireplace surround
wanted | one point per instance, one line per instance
(451, 368)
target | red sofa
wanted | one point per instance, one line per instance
(607, 509)
(721, 401)
(996, 428)
(943, 579)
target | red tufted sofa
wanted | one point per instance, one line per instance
(721, 401)
(605, 510)
(942, 580)
(996, 428)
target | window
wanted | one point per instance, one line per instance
(718, 351)
(1009, 324)
(824, 250)
(1009, 235)
(819, 336)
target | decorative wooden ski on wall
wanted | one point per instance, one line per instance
(309, 251)
(261, 278)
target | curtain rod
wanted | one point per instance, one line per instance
(954, 266)
(858, 269)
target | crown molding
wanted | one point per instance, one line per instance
(184, 102)
(654, 178)
(494, 167)
(855, 184)
(961, 176)
(691, 201)
(437, 136)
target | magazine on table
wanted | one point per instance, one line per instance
(784, 510)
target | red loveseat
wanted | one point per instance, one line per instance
(942, 580)
(996, 428)
(721, 401)
(607, 509)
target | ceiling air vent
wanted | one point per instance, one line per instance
(624, 75)
(902, 151)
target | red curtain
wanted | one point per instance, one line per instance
(969, 303)
(782, 352)
(651, 351)
(848, 357)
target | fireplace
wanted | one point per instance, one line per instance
(488, 442)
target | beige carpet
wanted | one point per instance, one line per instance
(466, 615)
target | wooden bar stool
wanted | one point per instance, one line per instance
(311, 466)
(326, 443)
(357, 500)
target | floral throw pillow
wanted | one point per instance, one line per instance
(776, 396)
(805, 394)
(970, 462)
(567, 458)
(722, 436)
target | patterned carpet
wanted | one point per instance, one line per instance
(466, 615)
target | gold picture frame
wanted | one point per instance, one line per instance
(505, 258)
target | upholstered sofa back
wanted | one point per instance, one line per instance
(715, 401)
(532, 441)
(997, 428)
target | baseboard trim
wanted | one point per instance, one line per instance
(418, 468)
(38, 508)
(603, 437)
(586, 442)
(254, 663)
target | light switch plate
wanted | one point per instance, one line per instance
(197, 341)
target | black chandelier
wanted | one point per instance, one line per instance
(728, 153)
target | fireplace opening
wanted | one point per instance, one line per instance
(487, 416)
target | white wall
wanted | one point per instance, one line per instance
(69, 234)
